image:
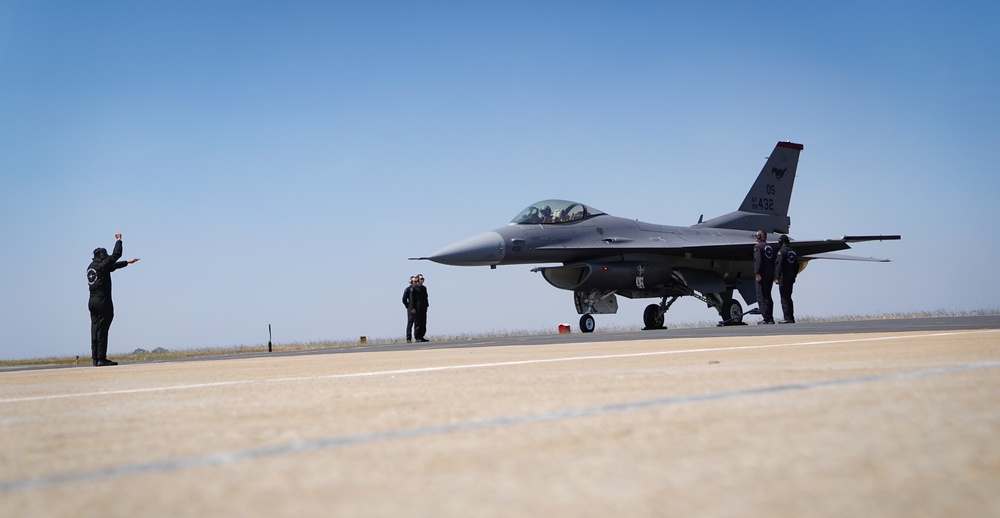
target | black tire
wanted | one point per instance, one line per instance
(587, 324)
(652, 317)
(732, 312)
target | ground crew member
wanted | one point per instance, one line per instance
(786, 267)
(409, 314)
(763, 273)
(102, 310)
(418, 308)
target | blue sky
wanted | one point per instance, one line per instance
(278, 162)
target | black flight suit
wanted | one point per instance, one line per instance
(786, 267)
(763, 265)
(418, 302)
(102, 310)
(409, 314)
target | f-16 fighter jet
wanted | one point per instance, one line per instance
(598, 256)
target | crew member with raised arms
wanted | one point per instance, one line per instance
(102, 309)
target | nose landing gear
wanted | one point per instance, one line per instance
(594, 301)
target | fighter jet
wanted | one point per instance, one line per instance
(603, 256)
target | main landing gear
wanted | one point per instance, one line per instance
(587, 303)
(729, 310)
(654, 314)
(587, 323)
(731, 313)
(737, 318)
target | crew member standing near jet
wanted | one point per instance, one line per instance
(406, 304)
(418, 308)
(102, 310)
(763, 270)
(786, 267)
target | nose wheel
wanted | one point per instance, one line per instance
(587, 324)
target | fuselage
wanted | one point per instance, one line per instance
(591, 250)
(599, 237)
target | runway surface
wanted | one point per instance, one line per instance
(888, 418)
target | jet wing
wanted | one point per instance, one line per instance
(822, 249)
(858, 239)
(844, 257)
(717, 251)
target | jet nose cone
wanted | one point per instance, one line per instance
(479, 250)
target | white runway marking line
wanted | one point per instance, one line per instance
(226, 458)
(486, 366)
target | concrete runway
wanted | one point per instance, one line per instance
(892, 418)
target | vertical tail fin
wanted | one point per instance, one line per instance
(766, 205)
(772, 192)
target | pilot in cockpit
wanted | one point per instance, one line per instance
(546, 214)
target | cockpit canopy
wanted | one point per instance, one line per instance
(554, 211)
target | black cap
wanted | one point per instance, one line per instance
(783, 239)
(100, 252)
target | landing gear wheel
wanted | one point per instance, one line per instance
(587, 324)
(652, 317)
(732, 312)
